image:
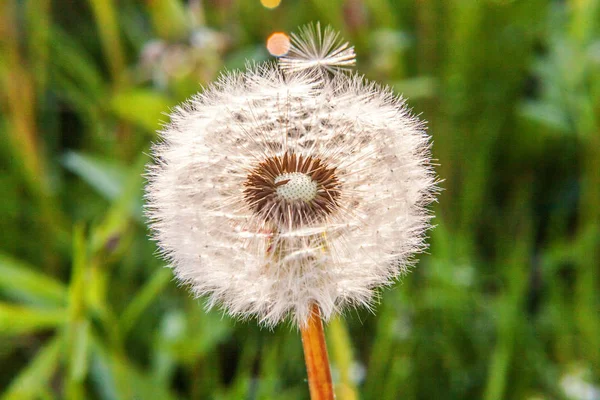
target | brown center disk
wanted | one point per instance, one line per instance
(261, 190)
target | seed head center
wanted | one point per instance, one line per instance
(295, 186)
(292, 189)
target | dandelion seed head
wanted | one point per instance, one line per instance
(278, 187)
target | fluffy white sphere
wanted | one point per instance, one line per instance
(277, 188)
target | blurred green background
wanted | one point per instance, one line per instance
(506, 304)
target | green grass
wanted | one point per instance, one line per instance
(506, 305)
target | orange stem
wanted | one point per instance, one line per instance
(315, 355)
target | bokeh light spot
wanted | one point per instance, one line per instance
(278, 44)
(270, 3)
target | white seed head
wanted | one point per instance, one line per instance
(277, 188)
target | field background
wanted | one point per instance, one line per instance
(506, 305)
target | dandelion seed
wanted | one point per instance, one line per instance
(312, 48)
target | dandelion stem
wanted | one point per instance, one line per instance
(315, 355)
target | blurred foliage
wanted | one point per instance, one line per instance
(505, 306)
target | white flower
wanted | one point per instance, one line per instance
(276, 189)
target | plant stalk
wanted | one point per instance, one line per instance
(315, 355)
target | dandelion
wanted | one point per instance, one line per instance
(292, 190)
